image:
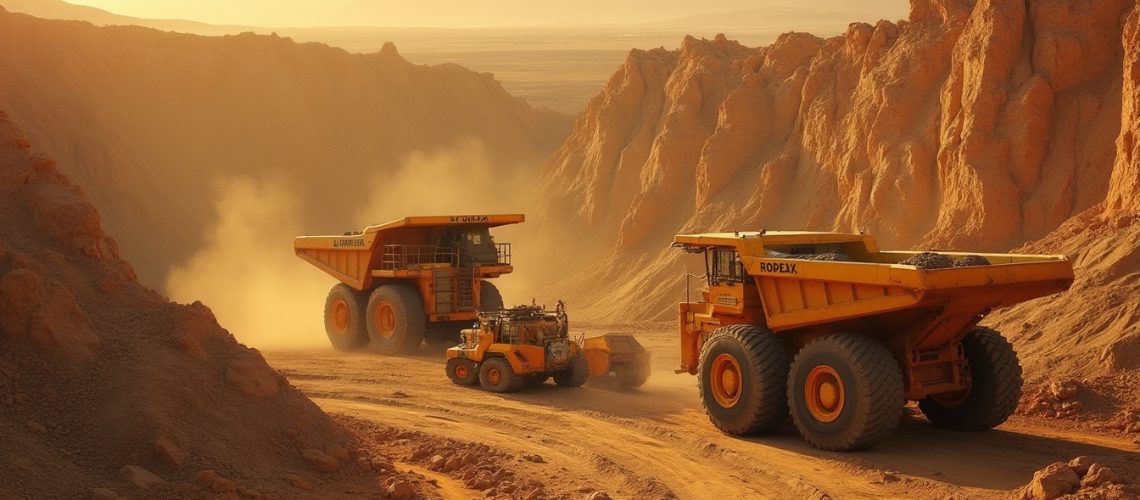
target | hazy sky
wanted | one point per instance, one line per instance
(449, 13)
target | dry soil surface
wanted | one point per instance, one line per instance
(657, 442)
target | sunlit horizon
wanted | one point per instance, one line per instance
(463, 14)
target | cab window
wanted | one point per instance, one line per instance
(726, 267)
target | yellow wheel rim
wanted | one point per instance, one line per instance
(824, 393)
(726, 380)
(340, 315)
(385, 319)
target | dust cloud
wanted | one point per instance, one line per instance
(460, 179)
(268, 298)
(246, 270)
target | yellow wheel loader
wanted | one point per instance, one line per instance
(527, 345)
(409, 279)
(838, 334)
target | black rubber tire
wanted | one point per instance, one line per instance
(763, 362)
(995, 387)
(508, 381)
(472, 371)
(410, 320)
(489, 297)
(355, 335)
(575, 374)
(873, 387)
(634, 375)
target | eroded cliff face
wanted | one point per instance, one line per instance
(976, 126)
(105, 384)
(151, 123)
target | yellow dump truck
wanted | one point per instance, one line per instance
(527, 345)
(840, 334)
(409, 279)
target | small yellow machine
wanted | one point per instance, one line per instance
(526, 345)
(838, 333)
(409, 279)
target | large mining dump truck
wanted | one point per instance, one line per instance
(409, 279)
(840, 334)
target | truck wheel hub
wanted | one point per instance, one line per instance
(340, 315)
(824, 393)
(385, 319)
(726, 378)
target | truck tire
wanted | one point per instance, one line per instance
(995, 386)
(845, 392)
(574, 375)
(344, 318)
(395, 319)
(462, 371)
(496, 375)
(489, 297)
(742, 375)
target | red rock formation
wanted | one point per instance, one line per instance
(978, 126)
(148, 123)
(105, 385)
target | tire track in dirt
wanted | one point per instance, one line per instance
(656, 442)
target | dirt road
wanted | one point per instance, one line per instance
(657, 442)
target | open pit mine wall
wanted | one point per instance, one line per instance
(969, 125)
(150, 123)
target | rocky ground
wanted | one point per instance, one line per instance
(656, 442)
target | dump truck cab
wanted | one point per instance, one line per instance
(409, 279)
(840, 333)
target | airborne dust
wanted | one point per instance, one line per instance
(270, 299)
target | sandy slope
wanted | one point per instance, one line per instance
(656, 442)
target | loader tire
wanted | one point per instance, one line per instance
(462, 371)
(742, 375)
(489, 297)
(395, 319)
(344, 318)
(574, 375)
(995, 386)
(496, 375)
(845, 391)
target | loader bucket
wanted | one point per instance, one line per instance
(619, 356)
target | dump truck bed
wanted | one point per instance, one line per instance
(779, 283)
(798, 293)
(356, 257)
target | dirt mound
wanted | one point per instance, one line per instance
(929, 260)
(107, 386)
(1079, 478)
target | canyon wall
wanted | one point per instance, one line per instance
(970, 125)
(104, 384)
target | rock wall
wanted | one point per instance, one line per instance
(986, 126)
(106, 388)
